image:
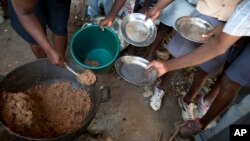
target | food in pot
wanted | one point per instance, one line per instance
(87, 78)
(18, 113)
(91, 63)
(45, 111)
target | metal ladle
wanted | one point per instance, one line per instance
(71, 70)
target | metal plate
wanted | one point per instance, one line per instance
(137, 31)
(133, 70)
(116, 27)
(192, 28)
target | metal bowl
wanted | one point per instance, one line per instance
(137, 31)
(192, 28)
(116, 27)
(133, 69)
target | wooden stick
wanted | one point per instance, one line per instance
(159, 136)
(176, 132)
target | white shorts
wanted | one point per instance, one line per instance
(239, 22)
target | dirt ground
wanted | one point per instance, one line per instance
(127, 117)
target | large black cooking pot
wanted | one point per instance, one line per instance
(43, 72)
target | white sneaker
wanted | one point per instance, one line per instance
(187, 110)
(202, 108)
(155, 100)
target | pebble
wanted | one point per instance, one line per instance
(147, 93)
(183, 93)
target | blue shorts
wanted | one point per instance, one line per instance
(239, 70)
(175, 10)
(94, 7)
(179, 46)
(51, 13)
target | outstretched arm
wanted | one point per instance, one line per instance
(108, 21)
(206, 52)
(154, 12)
(213, 48)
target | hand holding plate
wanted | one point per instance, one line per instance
(159, 66)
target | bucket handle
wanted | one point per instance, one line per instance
(105, 90)
(87, 24)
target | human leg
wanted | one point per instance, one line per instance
(186, 103)
(227, 93)
(209, 98)
(58, 14)
(204, 102)
(200, 79)
(161, 32)
(159, 91)
(234, 113)
(235, 71)
(235, 78)
(60, 43)
(179, 46)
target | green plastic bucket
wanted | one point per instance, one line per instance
(91, 44)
